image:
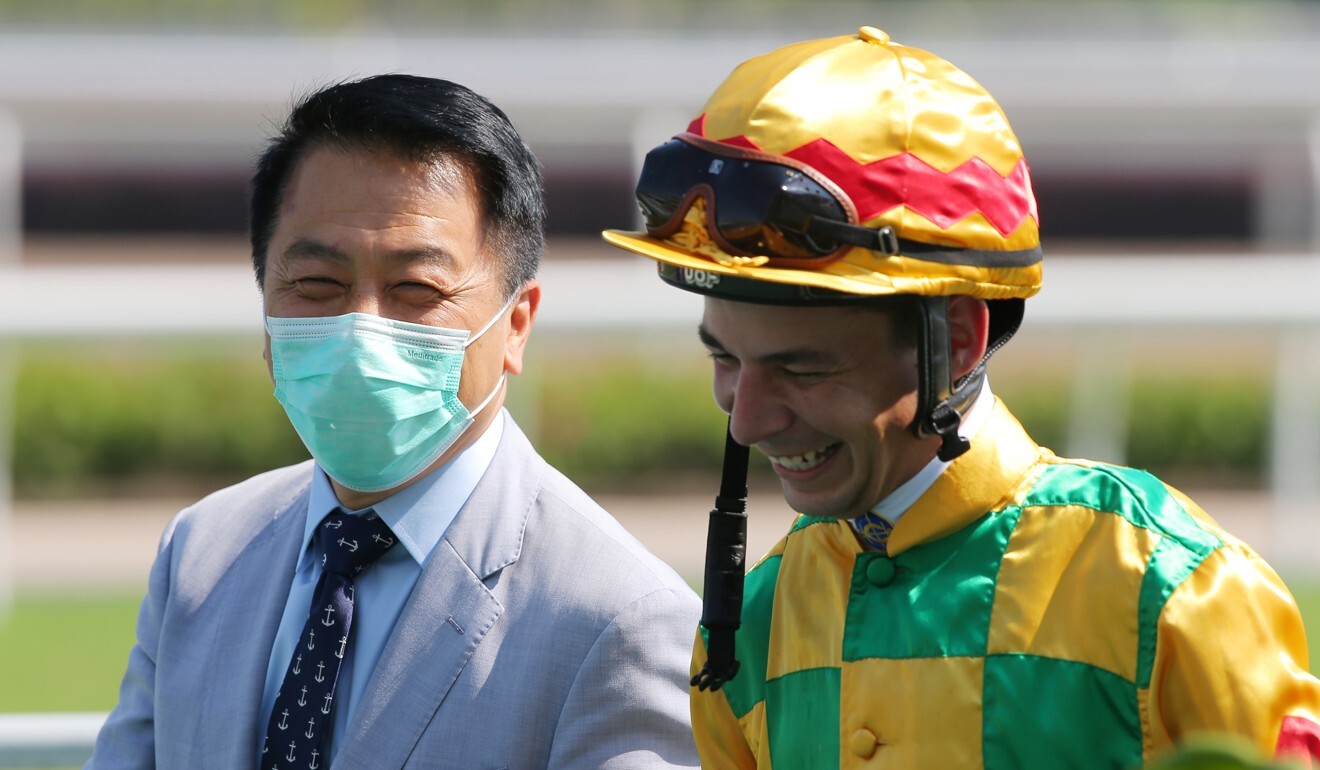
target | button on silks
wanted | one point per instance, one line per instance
(881, 571)
(863, 743)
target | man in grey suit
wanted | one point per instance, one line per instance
(510, 622)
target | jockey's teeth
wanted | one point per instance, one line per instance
(803, 462)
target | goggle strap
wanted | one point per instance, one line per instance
(882, 239)
(885, 240)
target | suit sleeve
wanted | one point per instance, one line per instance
(1231, 657)
(719, 736)
(127, 739)
(628, 705)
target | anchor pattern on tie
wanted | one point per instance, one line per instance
(303, 712)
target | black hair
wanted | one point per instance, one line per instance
(424, 120)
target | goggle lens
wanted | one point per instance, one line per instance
(755, 207)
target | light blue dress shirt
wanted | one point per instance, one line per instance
(418, 516)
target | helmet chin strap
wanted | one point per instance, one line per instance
(942, 401)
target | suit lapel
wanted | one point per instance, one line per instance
(253, 592)
(447, 616)
(449, 612)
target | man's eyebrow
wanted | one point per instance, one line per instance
(792, 356)
(307, 248)
(708, 339)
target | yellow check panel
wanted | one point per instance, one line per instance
(754, 731)
(808, 627)
(1232, 654)
(905, 713)
(1064, 568)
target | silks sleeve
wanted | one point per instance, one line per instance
(1231, 658)
(719, 735)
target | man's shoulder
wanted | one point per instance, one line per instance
(260, 497)
(1136, 498)
(525, 511)
(572, 524)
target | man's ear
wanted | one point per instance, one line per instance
(265, 356)
(521, 320)
(969, 330)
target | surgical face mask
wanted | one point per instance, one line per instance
(375, 400)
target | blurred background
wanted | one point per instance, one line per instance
(1174, 147)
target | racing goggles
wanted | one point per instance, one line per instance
(757, 204)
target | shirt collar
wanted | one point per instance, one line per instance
(420, 513)
(897, 503)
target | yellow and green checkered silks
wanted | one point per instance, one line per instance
(1031, 612)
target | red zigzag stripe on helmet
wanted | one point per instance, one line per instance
(906, 180)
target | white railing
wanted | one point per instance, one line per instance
(47, 740)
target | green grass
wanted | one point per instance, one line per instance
(65, 653)
(62, 653)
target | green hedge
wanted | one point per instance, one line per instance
(147, 421)
(613, 424)
(138, 422)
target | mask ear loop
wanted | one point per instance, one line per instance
(504, 376)
(498, 315)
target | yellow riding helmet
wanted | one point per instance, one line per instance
(910, 147)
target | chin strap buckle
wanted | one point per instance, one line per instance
(944, 422)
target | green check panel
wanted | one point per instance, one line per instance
(1135, 495)
(802, 713)
(1044, 712)
(747, 689)
(940, 600)
(1170, 565)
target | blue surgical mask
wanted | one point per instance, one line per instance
(375, 400)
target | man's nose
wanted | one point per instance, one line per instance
(756, 410)
(364, 299)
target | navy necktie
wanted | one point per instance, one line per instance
(874, 530)
(304, 708)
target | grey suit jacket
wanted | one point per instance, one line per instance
(539, 635)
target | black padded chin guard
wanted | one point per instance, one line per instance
(726, 561)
